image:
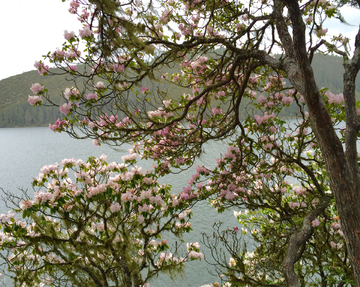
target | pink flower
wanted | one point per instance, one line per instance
(65, 108)
(194, 65)
(145, 208)
(337, 99)
(130, 157)
(220, 94)
(144, 90)
(239, 26)
(96, 142)
(164, 16)
(216, 111)
(74, 4)
(72, 68)
(36, 88)
(68, 92)
(68, 35)
(166, 103)
(140, 219)
(73, 7)
(287, 100)
(333, 244)
(176, 78)
(58, 55)
(68, 161)
(148, 180)
(184, 196)
(191, 246)
(335, 225)
(262, 99)
(41, 67)
(73, 53)
(37, 64)
(298, 131)
(34, 99)
(85, 32)
(315, 223)
(26, 204)
(58, 125)
(258, 119)
(118, 68)
(196, 255)
(321, 32)
(126, 120)
(84, 15)
(272, 129)
(115, 207)
(268, 146)
(99, 85)
(91, 96)
(294, 204)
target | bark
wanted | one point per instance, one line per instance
(343, 171)
(297, 241)
(92, 275)
(349, 211)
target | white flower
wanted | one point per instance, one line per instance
(237, 213)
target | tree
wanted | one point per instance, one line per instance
(106, 228)
(301, 188)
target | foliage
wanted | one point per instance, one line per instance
(290, 176)
(106, 228)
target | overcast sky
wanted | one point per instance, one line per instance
(32, 28)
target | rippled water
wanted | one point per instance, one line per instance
(23, 151)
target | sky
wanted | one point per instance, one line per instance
(32, 28)
(352, 17)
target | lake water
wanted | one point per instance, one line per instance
(23, 151)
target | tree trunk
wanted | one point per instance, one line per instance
(342, 168)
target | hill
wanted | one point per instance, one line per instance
(16, 112)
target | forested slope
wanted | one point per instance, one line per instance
(16, 112)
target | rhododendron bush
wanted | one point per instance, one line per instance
(106, 227)
(300, 188)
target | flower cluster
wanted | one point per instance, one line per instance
(93, 209)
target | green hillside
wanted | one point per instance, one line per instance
(16, 112)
